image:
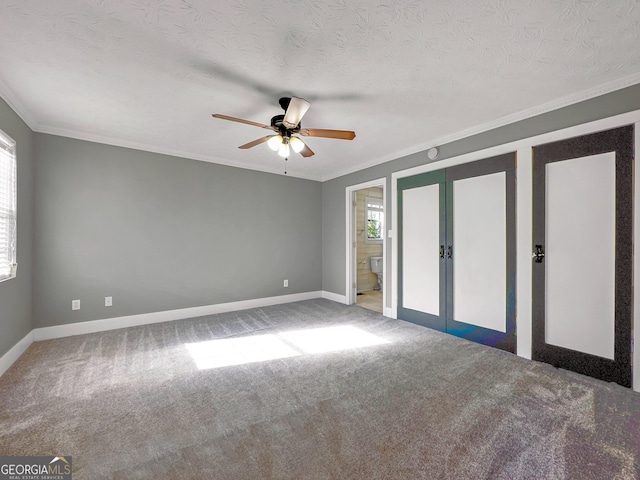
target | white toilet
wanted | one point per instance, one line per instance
(376, 267)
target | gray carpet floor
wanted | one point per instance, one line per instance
(397, 401)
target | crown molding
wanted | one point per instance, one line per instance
(117, 142)
(17, 106)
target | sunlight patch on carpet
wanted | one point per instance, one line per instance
(331, 339)
(262, 348)
(238, 351)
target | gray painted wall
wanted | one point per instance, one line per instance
(15, 294)
(159, 233)
(333, 191)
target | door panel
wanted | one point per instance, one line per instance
(479, 229)
(580, 254)
(582, 285)
(421, 243)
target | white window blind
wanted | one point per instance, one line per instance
(8, 201)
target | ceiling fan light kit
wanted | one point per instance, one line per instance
(296, 144)
(284, 149)
(274, 142)
(286, 126)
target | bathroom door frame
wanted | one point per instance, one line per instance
(351, 257)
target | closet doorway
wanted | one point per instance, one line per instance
(456, 250)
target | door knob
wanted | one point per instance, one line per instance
(538, 255)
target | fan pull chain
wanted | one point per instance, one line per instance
(285, 165)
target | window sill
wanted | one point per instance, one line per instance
(7, 278)
(13, 274)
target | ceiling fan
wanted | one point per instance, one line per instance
(286, 126)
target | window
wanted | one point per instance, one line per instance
(8, 203)
(375, 219)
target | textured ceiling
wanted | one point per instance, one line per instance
(403, 74)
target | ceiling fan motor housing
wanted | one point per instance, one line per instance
(278, 125)
(284, 102)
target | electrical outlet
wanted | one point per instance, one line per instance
(75, 304)
(108, 301)
(286, 283)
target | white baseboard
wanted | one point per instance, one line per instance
(334, 297)
(12, 355)
(81, 328)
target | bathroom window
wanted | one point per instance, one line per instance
(8, 202)
(374, 219)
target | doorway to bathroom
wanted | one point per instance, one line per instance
(366, 245)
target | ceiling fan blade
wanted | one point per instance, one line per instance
(306, 151)
(256, 142)
(321, 132)
(240, 120)
(295, 111)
